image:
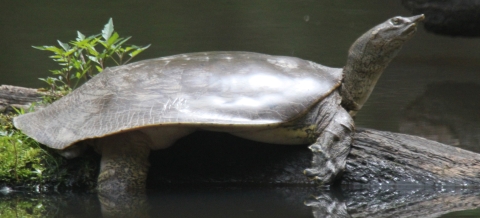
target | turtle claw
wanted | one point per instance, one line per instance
(309, 173)
(312, 175)
(322, 175)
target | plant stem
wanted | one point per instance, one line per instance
(16, 158)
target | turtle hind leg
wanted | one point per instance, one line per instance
(124, 164)
(331, 149)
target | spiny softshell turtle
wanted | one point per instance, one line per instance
(127, 111)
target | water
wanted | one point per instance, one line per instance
(254, 202)
(430, 89)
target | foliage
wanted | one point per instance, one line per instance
(20, 155)
(26, 163)
(84, 57)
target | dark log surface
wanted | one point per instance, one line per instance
(392, 158)
(377, 158)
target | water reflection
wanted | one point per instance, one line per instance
(250, 202)
(22, 204)
(394, 202)
(124, 205)
(446, 114)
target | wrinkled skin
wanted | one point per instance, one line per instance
(147, 105)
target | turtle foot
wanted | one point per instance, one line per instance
(331, 149)
(324, 173)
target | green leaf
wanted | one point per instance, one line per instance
(117, 44)
(49, 80)
(128, 48)
(80, 36)
(112, 39)
(77, 64)
(65, 46)
(56, 56)
(50, 48)
(19, 111)
(70, 51)
(137, 51)
(91, 50)
(40, 47)
(108, 29)
(99, 68)
(56, 72)
(93, 58)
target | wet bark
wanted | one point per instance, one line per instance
(391, 158)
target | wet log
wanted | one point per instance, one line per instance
(379, 157)
(18, 97)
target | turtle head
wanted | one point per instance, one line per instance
(370, 55)
(387, 38)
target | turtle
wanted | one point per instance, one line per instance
(127, 111)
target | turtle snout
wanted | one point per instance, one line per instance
(417, 18)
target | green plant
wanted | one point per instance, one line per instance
(26, 163)
(22, 159)
(84, 57)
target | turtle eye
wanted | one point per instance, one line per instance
(396, 21)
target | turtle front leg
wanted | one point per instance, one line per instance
(331, 149)
(124, 163)
(123, 174)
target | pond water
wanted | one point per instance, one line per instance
(224, 201)
(431, 89)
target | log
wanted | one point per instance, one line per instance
(18, 97)
(376, 158)
(379, 157)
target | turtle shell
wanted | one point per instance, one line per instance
(209, 88)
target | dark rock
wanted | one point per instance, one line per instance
(452, 18)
